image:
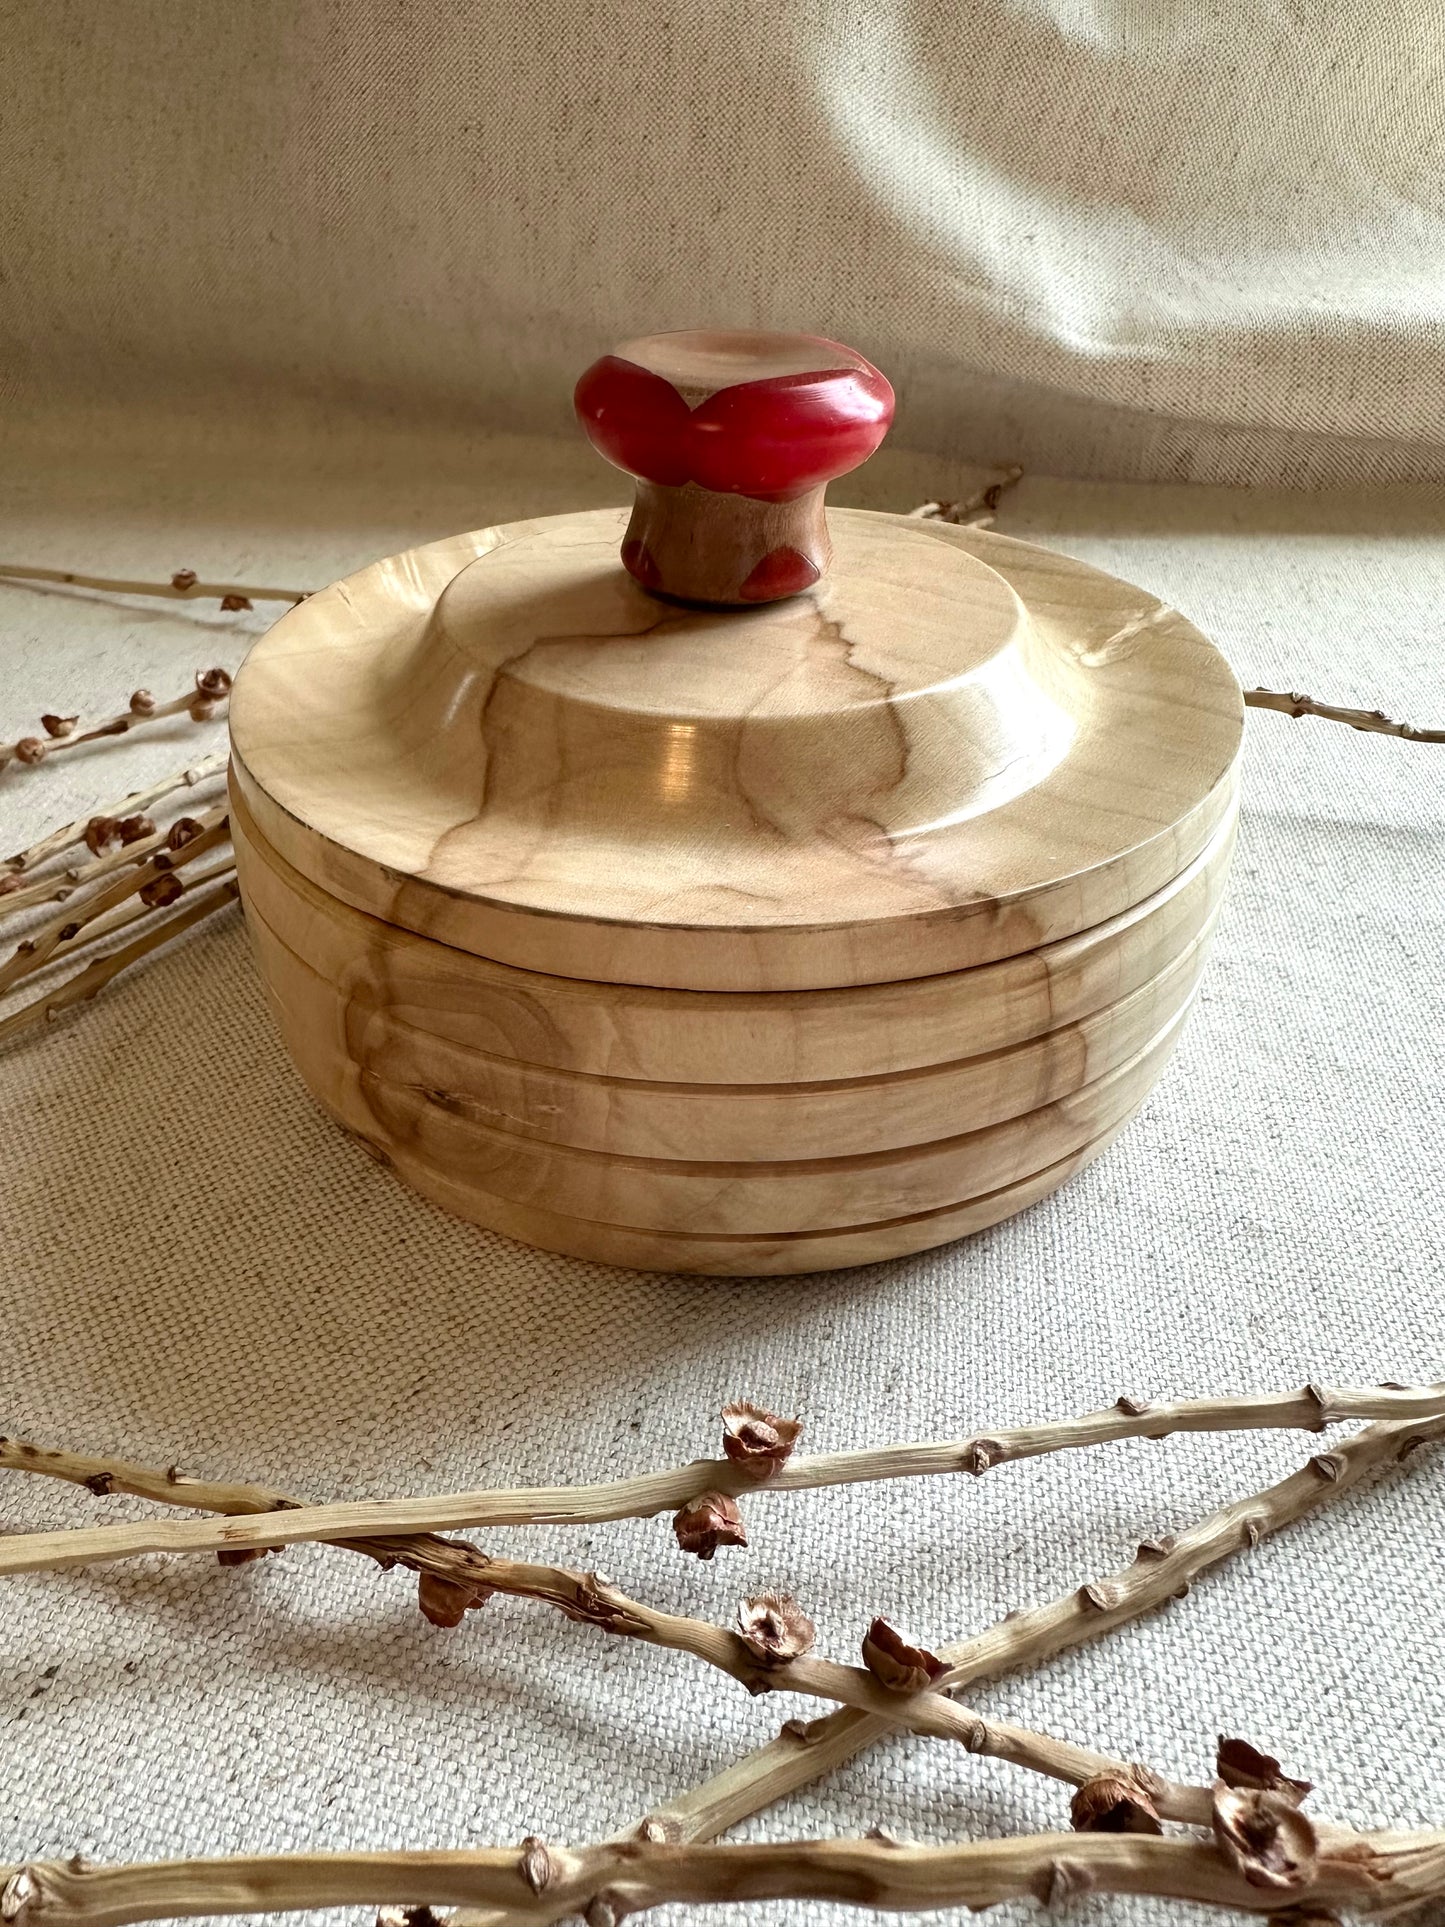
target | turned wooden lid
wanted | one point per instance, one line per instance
(950, 749)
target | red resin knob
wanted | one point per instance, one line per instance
(733, 439)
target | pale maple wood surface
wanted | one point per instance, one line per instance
(770, 941)
(731, 1122)
(956, 749)
(648, 1035)
(738, 1255)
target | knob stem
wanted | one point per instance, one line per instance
(704, 547)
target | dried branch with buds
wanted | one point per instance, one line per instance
(202, 704)
(93, 979)
(1311, 1409)
(1260, 1860)
(84, 829)
(156, 881)
(1262, 1848)
(977, 510)
(1374, 721)
(184, 585)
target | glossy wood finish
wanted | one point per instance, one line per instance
(933, 761)
(740, 1256)
(680, 1175)
(730, 1122)
(672, 1195)
(664, 1036)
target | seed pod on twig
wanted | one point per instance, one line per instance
(708, 1522)
(774, 1628)
(142, 703)
(758, 1441)
(161, 890)
(1265, 1837)
(894, 1663)
(445, 1602)
(58, 725)
(1111, 1803)
(1239, 1764)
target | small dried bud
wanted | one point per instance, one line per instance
(1112, 1803)
(31, 749)
(709, 1522)
(102, 833)
(239, 1555)
(408, 1917)
(234, 601)
(756, 1441)
(536, 1865)
(161, 890)
(1132, 1407)
(1239, 1764)
(58, 725)
(184, 580)
(445, 1601)
(12, 881)
(980, 1456)
(142, 703)
(213, 684)
(601, 1912)
(1329, 1465)
(1265, 1838)
(897, 1665)
(131, 829)
(100, 1483)
(202, 709)
(1150, 1549)
(774, 1628)
(181, 832)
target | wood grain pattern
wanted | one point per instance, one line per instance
(956, 749)
(729, 1122)
(670, 1195)
(652, 1036)
(743, 1255)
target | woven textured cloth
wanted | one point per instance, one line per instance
(1187, 238)
(199, 1268)
(289, 288)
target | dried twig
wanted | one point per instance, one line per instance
(184, 585)
(202, 704)
(99, 929)
(803, 1753)
(154, 881)
(1310, 1410)
(1364, 1872)
(94, 978)
(469, 1576)
(1373, 720)
(138, 801)
(976, 511)
(121, 843)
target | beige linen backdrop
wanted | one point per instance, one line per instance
(285, 286)
(1182, 238)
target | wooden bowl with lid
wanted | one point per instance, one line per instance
(790, 893)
